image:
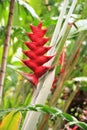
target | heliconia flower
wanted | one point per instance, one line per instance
(36, 58)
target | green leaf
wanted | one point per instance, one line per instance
(37, 7)
(11, 121)
(43, 108)
(82, 125)
(29, 9)
(81, 26)
(69, 117)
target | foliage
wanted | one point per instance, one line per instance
(11, 121)
(18, 92)
(54, 112)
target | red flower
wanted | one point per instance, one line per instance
(35, 54)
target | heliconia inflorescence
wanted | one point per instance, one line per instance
(35, 54)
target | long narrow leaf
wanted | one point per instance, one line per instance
(28, 8)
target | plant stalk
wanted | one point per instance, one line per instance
(5, 50)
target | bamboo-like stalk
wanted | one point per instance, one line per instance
(67, 20)
(5, 50)
(58, 28)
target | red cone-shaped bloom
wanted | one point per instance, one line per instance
(35, 54)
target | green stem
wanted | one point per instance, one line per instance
(62, 42)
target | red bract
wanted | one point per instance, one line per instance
(31, 45)
(30, 63)
(41, 70)
(42, 59)
(30, 77)
(38, 41)
(30, 54)
(38, 30)
(42, 50)
(35, 54)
